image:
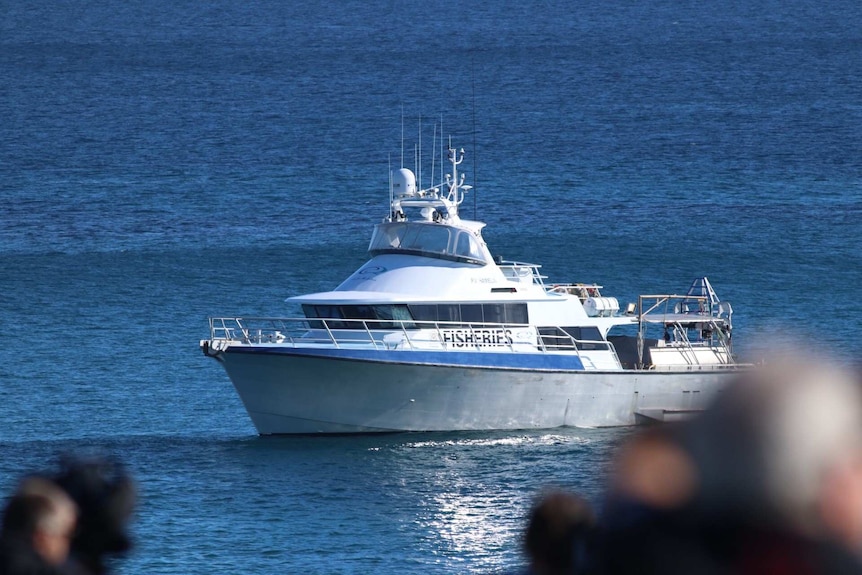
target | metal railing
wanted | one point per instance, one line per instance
(518, 271)
(679, 313)
(399, 334)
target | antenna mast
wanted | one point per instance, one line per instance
(473, 90)
(454, 181)
(389, 158)
(419, 163)
(441, 147)
(433, 153)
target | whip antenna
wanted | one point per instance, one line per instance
(433, 153)
(391, 193)
(473, 94)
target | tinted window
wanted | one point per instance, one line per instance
(424, 312)
(471, 313)
(510, 313)
(494, 312)
(432, 240)
(357, 312)
(516, 313)
(448, 313)
(554, 338)
(588, 337)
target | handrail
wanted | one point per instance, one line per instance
(658, 304)
(535, 276)
(377, 334)
(686, 349)
(666, 299)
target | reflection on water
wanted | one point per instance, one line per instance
(473, 491)
(489, 442)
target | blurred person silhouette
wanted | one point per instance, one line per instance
(648, 525)
(106, 496)
(38, 524)
(767, 480)
(558, 535)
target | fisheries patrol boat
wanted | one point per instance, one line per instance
(433, 333)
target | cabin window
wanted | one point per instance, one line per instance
(516, 313)
(584, 338)
(494, 312)
(418, 238)
(361, 312)
(424, 313)
(388, 236)
(467, 246)
(471, 313)
(449, 313)
(394, 316)
(588, 337)
(398, 313)
(554, 338)
(433, 239)
(357, 311)
(427, 239)
(324, 311)
(372, 316)
(505, 312)
(409, 239)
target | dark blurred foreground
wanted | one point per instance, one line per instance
(768, 480)
(71, 521)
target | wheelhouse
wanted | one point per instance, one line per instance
(429, 239)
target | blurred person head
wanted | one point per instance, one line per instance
(648, 524)
(41, 516)
(653, 469)
(558, 534)
(798, 427)
(770, 473)
(106, 496)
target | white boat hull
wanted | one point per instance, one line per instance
(289, 393)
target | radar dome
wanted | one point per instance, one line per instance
(403, 183)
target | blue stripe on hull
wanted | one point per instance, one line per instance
(515, 361)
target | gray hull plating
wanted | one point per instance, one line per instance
(293, 394)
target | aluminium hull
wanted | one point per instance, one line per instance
(295, 392)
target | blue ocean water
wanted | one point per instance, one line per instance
(163, 162)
